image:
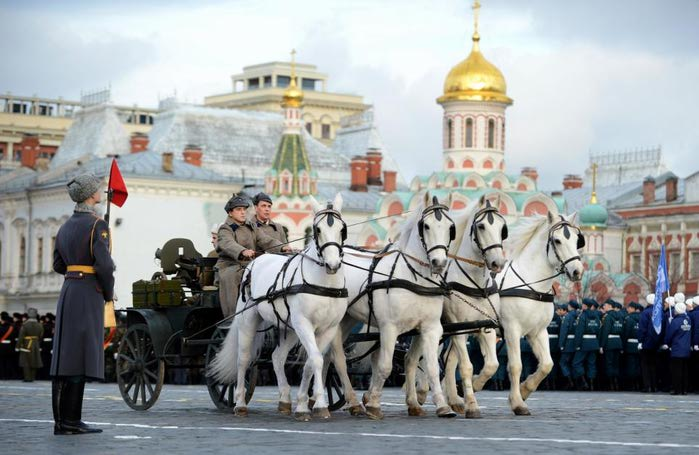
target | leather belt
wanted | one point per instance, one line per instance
(81, 268)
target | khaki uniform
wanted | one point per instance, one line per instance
(29, 345)
(233, 239)
(271, 228)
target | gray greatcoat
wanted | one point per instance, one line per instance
(79, 333)
(29, 344)
(233, 239)
(271, 228)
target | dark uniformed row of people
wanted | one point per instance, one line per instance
(25, 345)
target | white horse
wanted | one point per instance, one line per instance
(474, 297)
(397, 291)
(541, 249)
(306, 297)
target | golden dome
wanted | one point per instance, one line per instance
(475, 79)
(293, 96)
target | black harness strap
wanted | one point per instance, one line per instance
(528, 294)
(473, 292)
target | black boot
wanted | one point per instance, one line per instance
(582, 384)
(591, 387)
(56, 390)
(71, 409)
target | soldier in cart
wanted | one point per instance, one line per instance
(239, 241)
(263, 220)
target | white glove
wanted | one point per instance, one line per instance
(664, 347)
(601, 350)
(640, 346)
(696, 347)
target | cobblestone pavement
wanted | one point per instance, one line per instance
(185, 421)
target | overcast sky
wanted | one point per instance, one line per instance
(584, 75)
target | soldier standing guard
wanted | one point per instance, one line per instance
(263, 221)
(586, 345)
(610, 344)
(29, 345)
(238, 242)
(82, 255)
(566, 342)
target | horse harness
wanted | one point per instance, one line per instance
(530, 293)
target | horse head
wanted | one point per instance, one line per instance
(329, 233)
(436, 231)
(564, 241)
(487, 232)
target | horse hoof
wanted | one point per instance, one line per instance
(416, 411)
(445, 412)
(311, 403)
(284, 408)
(321, 413)
(421, 397)
(521, 411)
(458, 408)
(356, 410)
(374, 413)
(303, 416)
(472, 414)
(365, 398)
(241, 411)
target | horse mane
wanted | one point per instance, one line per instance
(460, 218)
(523, 233)
(408, 226)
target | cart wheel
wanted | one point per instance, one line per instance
(333, 387)
(140, 373)
(223, 395)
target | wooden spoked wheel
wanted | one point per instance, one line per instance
(140, 373)
(223, 395)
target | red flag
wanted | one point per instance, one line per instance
(117, 185)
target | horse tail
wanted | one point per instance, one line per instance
(224, 367)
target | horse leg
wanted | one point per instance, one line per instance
(279, 356)
(412, 358)
(337, 353)
(323, 340)
(540, 346)
(246, 337)
(430, 335)
(423, 385)
(382, 365)
(488, 343)
(471, 409)
(313, 368)
(514, 369)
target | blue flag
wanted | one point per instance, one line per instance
(661, 285)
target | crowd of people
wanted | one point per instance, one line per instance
(25, 345)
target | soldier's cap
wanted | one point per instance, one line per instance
(680, 308)
(236, 201)
(636, 305)
(259, 197)
(563, 306)
(574, 304)
(617, 305)
(5, 318)
(82, 187)
(590, 302)
(32, 313)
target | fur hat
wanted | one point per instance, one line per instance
(236, 201)
(82, 187)
(679, 297)
(650, 299)
(32, 313)
(259, 197)
(680, 308)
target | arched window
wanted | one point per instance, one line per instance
(450, 164)
(396, 208)
(40, 254)
(487, 164)
(467, 164)
(450, 141)
(491, 133)
(469, 133)
(22, 255)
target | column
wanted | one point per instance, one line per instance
(9, 152)
(644, 259)
(683, 257)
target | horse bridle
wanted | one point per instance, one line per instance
(330, 215)
(567, 227)
(440, 210)
(490, 212)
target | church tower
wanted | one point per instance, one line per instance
(474, 102)
(291, 173)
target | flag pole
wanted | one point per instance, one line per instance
(109, 196)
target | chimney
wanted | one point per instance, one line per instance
(572, 181)
(192, 155)
(168, 158)
(29, 150)
(389, 181)
(648, 190)
(139, 142)
(359, 167)
(531, 173)
(374, 157)
(671, 189)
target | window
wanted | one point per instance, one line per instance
(653, 264)
(253, 84)
(491, 133)
(674, 267)
(309, 128)
(469, 132)
(635, 263)
(22, 254)
(449, 134)
(308, 84)
(40, 255)
(283, 81)
(268, 81)
(326, 131)
(694, 264)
